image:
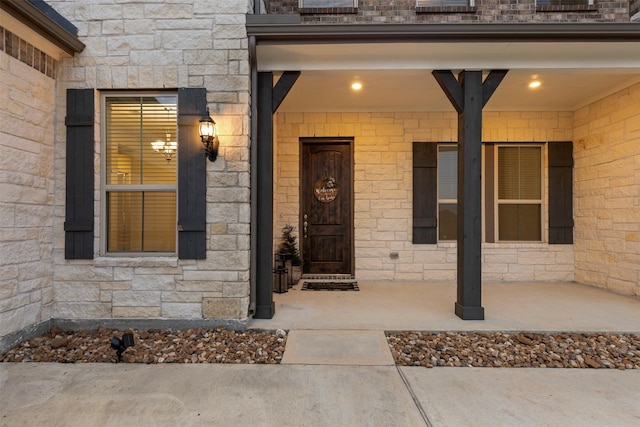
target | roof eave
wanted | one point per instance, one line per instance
(33, 17)
(274, 30)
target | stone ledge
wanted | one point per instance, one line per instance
(139, 323)
(169, 261)
(10, 340)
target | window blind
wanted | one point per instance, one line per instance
(133, 124)
(448, 172)
(519, 193)
(519, 173)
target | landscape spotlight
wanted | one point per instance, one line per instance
(120, 345)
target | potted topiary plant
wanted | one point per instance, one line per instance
(289, 248)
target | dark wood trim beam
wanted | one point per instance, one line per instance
(282, 88)
(491, 83)
(451, 88)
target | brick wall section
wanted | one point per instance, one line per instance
(26, 193)
(399, 11)
(24, 51)
(607, 190)
(383, 191)
(154, 45)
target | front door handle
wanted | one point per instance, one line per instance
(305, 224)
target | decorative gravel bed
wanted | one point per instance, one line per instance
(190, 346)
(523, 350)
(460, 349)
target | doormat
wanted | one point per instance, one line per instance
(330, 286)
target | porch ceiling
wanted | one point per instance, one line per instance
(397, 76)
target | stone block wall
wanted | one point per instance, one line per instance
(484, 11)
(154, 45)
(607, 192)
(383, 191)
(27, 102)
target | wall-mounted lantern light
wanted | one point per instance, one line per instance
(209, 136)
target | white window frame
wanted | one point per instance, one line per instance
(497, 201)
(589, 3)
(445, 3)
(440, 200)
(106, 188)
(301, 5)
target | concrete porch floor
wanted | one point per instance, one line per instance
(392, 306)
(337, 369)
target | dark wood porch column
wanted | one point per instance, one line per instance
(268, 101)
(265, 307)
(468, 95)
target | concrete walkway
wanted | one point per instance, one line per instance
(337, 370)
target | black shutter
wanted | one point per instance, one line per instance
(192, 169)
(560, 192)
(78, 224)
(425, 192)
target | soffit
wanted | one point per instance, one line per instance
(396, 73)
(449, 55)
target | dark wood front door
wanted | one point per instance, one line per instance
(326, 205)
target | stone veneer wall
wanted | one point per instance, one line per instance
(26, 183)
(399, 11)
(607, 192)
(156, 45)
(383, 191)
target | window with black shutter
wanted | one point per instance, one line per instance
(560, 193)
(425, 192)
(192, 175)
(154, 181)
(79, 213)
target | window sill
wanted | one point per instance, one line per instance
(514, 245)
(500, 245)
(327, 10)
(136, 261)
(447, 244)
(446, 9)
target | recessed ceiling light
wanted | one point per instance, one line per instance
(356, 86)
(534, 84)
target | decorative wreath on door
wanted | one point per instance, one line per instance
(326, 189)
